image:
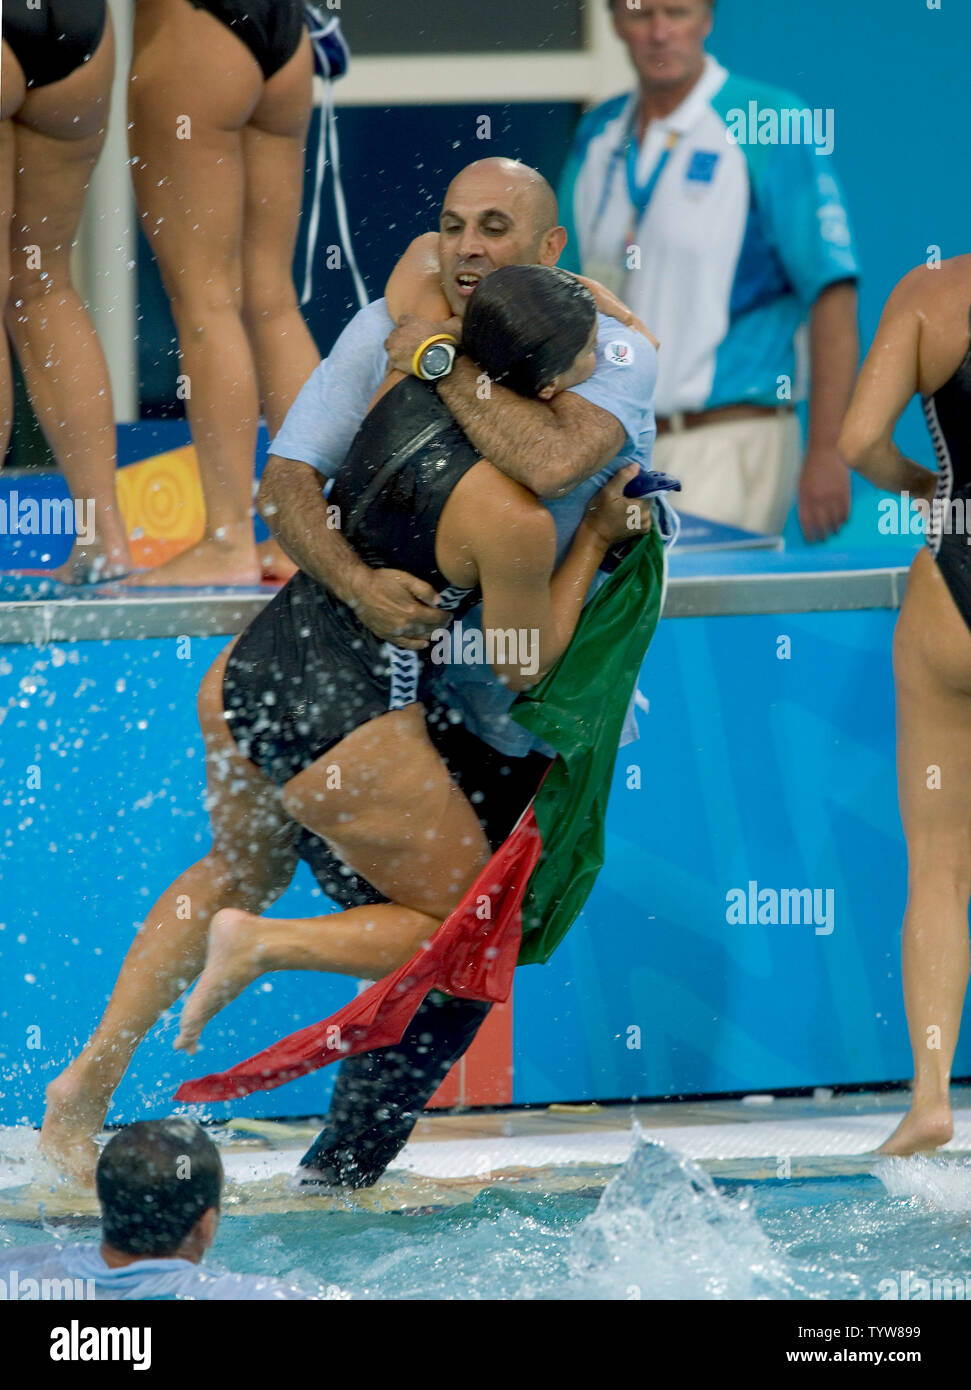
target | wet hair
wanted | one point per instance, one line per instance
(155, 1179)
(525, 324)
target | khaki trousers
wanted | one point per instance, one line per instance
(742, 473)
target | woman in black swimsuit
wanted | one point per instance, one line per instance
(55, 84)
(310, 722)
(219, 105)
(924, 344)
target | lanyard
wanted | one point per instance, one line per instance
(331, 58)
(639, 195)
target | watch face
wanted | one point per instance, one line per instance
(436, 360)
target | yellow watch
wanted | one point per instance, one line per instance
(435, 357)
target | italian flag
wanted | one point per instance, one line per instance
(530, 893)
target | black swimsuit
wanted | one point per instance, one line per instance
(306, 672)
(50, 42)
(948, 415)
(270, 29)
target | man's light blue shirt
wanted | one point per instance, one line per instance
(25, 1270)
(328, 412)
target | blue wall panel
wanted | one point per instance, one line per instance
(111, 728)
(894, 74)
(752, 769)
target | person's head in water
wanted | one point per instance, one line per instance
(496, 212)
(159, 1184)
(533, 329)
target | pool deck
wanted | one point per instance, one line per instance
(36, 611)
(748, 1138)
(451, 1158)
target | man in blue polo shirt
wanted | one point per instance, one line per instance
(496, 212)
(709, 204)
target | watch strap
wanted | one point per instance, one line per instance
(430, 342)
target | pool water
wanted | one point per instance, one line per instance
(662, 1229)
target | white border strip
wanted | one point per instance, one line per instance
(847, 1136)
(600, 70)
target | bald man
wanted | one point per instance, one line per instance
(496, 212)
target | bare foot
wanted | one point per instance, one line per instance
(211, 561)
(233, 961)
(72, 1118)
(275, 562)
(87, 565)
(922, 1130)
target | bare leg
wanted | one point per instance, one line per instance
(59, 131)
(12, 90)
(196, 93)
(284, 353)
(6, 207)
(193, 88)
(364, 942)
(932, 661)
(398, 819)
(250, 864)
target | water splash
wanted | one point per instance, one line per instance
(662, 1230)
(941, 1182)
(30, 1185)
(20, 1160)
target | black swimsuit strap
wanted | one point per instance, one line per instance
(436, 430)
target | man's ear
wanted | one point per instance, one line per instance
(207, 1225)
(551, 246)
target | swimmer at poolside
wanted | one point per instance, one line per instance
(922, 344)
(412, 490)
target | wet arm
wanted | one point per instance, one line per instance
(394, 605)
(549, 447)
(512, 540)
(415, 286)
(292, 503)
(887, 381)
(520, 591)
(614, 308)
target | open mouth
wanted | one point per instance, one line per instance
(466, 281)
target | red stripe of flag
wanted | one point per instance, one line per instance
(472, 956)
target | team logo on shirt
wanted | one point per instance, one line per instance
(620, 354)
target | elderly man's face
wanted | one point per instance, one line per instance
(488, 220)
(665, 38)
